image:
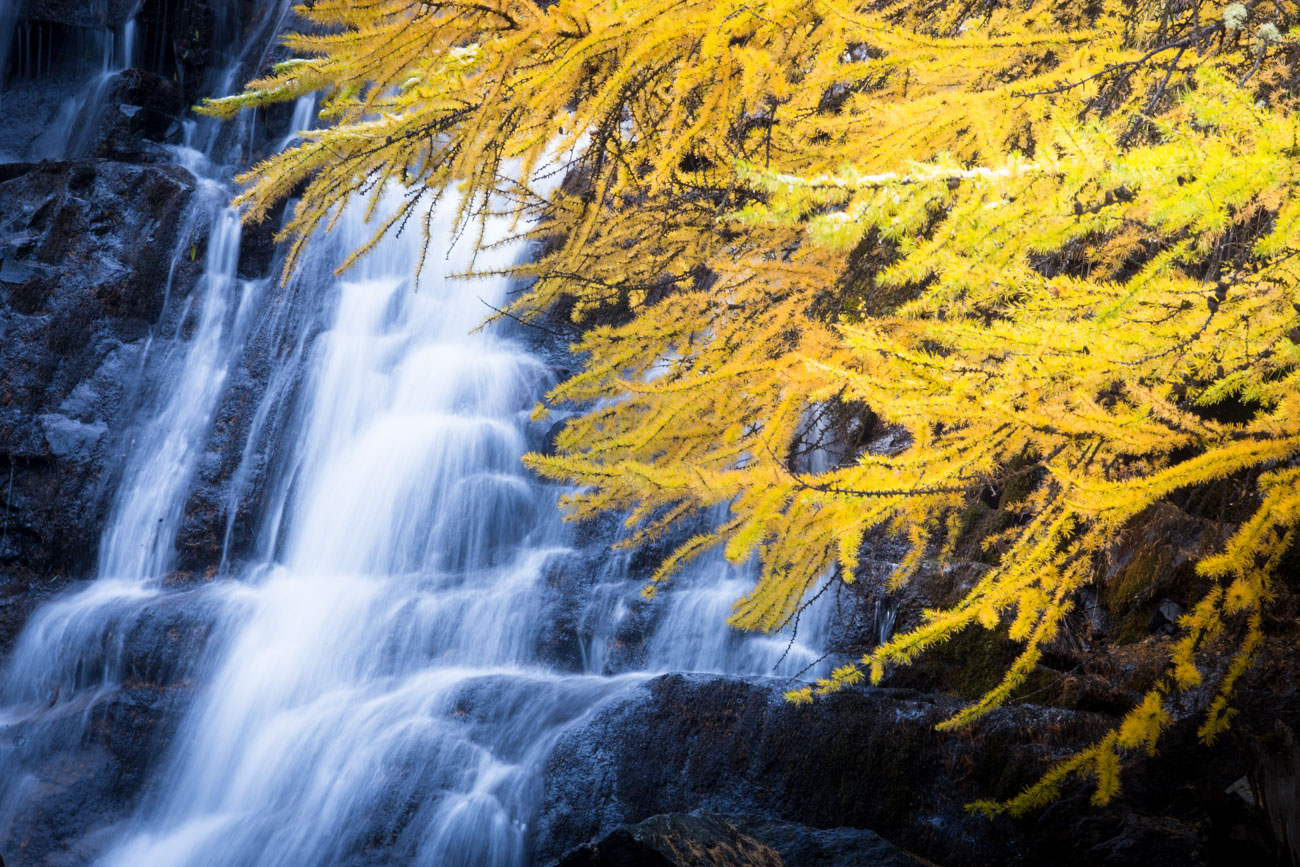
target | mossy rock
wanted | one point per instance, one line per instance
(1155, 561)
(967, 665)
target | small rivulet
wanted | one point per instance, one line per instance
(1054, 243)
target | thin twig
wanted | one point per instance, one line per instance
(1129, 65)
(525, 322)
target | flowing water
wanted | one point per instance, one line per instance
(69, 135)
(372, 684)
(83, 62)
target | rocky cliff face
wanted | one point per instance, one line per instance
(86, 250)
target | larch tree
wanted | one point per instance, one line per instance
(1052, 241)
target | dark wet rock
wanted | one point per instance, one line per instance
(141, 110)
(560, 642)
(79, 767)
(802, 846)
(71, 439)
(257, 247)
(675, 840)
(78, 13)
(567, 639)
(1165, 618)
(872, 759)
(85, 262)
(552, 436)
(684, 840)
(57, 103)
(1146, 840)
(629, 646)
(163, 643)
(1275, 781)
(1152, 571)
(97, 771)
(227, 497)
(194, 31)
(861, 759)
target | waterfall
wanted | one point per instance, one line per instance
(138, 542)
(370, 685)
(70, 134)
(376, 680)
(386, 656)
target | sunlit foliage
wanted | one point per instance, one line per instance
(1046, 239)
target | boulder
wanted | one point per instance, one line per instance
(141, 109)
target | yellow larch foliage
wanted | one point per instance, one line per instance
(1046, 235)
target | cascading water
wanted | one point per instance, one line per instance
(377, 684)
(72, 645)
(69, 134)
(387, 655)
(83, 61)
(370, 687)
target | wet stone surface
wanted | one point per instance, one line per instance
(82, 280)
